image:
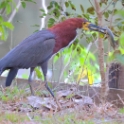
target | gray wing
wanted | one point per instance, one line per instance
(32, 51)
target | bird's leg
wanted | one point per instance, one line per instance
(48, 88)
(44, 70)
(30, 80)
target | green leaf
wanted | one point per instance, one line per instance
(67, 4)
(36, 25)
(8, 9)
(78, 50)
(42, 10)
(91, 56)
(120, 12)
(25, 76)
(73, 7)
(3, 33)
(82, 8)
(110, 11)
(56, 57)
(118, 19)
(57, 6)
(122, 40)
(3, 5)
(51, 22)
(115, 11)
(1, 19)
(8, 25)
(23, 4)
(121, 50)
(50, 7)
(90, 10)
(52, 2)
(106, 14)
(31, 1)
(86, 16)
(100, 4)
(94, 34)
(56, 13)
(82, 60)
(38, 73)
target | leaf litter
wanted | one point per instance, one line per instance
(69, 101)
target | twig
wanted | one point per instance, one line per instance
(107, 7)
(92, 4)
(2, 89)
(112, 16)
(43, 5)
(11, 34)
(14, 12)
(120, 99)
(83, 65)
(104, 85)
(65, 66)
(2, 11)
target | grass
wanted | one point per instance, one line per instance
(17, 118)
(13, 117)
(121, 110)
(12, 94)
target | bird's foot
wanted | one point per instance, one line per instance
(46, 85)
(31, 89)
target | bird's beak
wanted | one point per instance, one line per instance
(93, 27)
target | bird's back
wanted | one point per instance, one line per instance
(30, 51)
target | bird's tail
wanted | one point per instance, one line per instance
(2, 67)
(12, 72)
(11, 75)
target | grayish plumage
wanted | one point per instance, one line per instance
(31, 52)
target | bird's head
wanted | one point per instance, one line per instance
(75, 23)
(86, 25)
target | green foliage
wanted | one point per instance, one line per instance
(66, 4)
(5, 5)
(118, 54)
(122, 40)
(6, 10)
(82, 8)
(72, 5)
(56, 57)
(23, 4)
(91, 10)
(4, 26)
(66, 118)
(38, 73)
(51, 22)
